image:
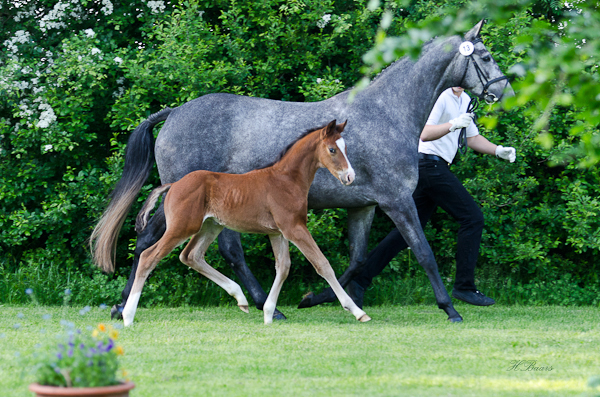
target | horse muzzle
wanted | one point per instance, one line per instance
(347, 176)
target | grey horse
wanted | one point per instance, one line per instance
(236, 134)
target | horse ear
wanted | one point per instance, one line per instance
(327, 131)
(340, 127)
(474, 33)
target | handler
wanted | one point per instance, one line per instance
(438, 186)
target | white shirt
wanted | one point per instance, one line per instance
(447, 107)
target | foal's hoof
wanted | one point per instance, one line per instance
(244, 308)
(457, 319)
(277, 315)
(116, 312)
(364, 318)
(306, 301)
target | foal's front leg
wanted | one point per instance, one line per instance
(301, 237)
(281, 249)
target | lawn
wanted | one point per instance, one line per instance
(404, 351)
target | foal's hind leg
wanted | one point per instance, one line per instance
(305, 243)
(151, 234)
(148, 261)
(281, 249)
(193, 256)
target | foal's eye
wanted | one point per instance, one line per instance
(331, 150)
(486, 58)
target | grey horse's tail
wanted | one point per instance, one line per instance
(142, 219)
(139, 159)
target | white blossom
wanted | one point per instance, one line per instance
(47, 117)
(107, 7)
(118, 60)
(48, 147)
(95, 51)
(321, 23)
(90, 33)
(156, 6)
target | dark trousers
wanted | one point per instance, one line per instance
(437, 187)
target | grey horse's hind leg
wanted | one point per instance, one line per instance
(404, 215)
(359, 226)
(230, 247)
(151, 234)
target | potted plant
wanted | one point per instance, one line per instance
(80, 364)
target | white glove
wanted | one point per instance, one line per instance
(506, 153)
(461, 121)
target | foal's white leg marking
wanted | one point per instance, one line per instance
(342, 145)
(130, 308)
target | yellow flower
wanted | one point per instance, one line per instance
(120, 350)
(95, 333)
(102, 327)
(113, 334)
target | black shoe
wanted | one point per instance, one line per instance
(356, 292)
(473, 297)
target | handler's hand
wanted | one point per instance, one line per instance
(461, 121)
(506, 153)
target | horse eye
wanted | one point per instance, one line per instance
(486, 58)
(331, 150)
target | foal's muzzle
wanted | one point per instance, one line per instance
(346, 176)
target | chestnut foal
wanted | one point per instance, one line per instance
(271, 201)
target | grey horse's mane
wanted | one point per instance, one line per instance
(399, 60)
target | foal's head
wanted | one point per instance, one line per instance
(332, 152)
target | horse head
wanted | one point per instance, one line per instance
(480, 73)
(332, 152)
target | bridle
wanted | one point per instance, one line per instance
(487, 96)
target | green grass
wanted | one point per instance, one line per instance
(404, 351)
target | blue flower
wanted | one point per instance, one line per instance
(29, 291)
(59, 356)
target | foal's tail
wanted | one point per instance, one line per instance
(142, 219)
(139, 159)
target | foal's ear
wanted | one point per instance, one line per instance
(329, 130)
(340, 127)
(474, 33)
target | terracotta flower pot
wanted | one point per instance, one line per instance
(121, 390)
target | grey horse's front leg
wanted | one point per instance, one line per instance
(359, 226)
(404, 215)
(230, 247)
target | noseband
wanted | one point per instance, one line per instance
(487, 96)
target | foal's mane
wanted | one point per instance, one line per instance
(288, 147)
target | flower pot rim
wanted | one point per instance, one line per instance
(78, 391)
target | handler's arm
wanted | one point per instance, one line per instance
(432, 132)
(480, 144)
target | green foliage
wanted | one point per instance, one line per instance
(77, 77)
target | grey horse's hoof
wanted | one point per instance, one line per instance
(306, 301)
(457, 319)
(310, 299)
(116, 312)
(277, 315)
